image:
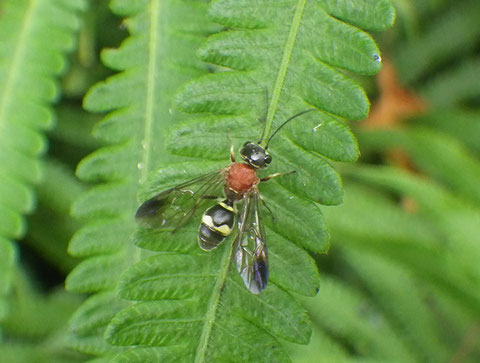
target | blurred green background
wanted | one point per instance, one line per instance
(402, 279)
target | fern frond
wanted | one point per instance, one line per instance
(6, 270)
(455, 224)
(460, 123)
(89, 321)
(323, 347)
(154, 60)
(394, 300)
(74, 128)
(32, 51)
(56, 193)
(457, 27)
(443, 72)
(441, 256)
(454, 87)
(194, 300)
(34, 330)
(35, 35)
(436, 154)
(187, 298)
(402, 301)
(343, 311)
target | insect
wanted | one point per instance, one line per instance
(234, 184)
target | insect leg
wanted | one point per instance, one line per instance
(267, 208)
(232, 153)
(232, 150)
(267, 178)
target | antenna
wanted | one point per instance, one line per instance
(287, 121)
(265, 115)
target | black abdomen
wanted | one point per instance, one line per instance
(217, 224)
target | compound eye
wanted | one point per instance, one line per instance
(246, 150)
(247, 147)
(268, 159)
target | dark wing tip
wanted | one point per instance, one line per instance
(255, 276)
(260, 277)
(149, 214)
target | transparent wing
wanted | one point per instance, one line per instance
(174, 207)
(251, 249)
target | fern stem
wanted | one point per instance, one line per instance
(144, 165)
(213, 305)
(282, 71)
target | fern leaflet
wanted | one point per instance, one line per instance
(35, 35)
(139, 98)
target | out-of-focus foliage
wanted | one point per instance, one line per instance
(35, 40)
(401, 281)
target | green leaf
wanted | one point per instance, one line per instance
(407, 313)
(35, 37)
(153, 61)
(28, 69)
(455, 86)
(435, 153)
(372, 15)
(34, 329)
(56, 192)
(95, 312)
(452, 222)
(324, 348)
(158, 354)
(302, 54)
(345, 312)
(460, 123)
(458, 29)
(6, 271)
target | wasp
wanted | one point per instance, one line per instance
(236, 184)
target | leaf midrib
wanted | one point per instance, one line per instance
(146, 142)
(282, 71)
(213, 305)
(16, 64)
(149, 103)
(214, 302)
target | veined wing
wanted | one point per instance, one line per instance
(251, 249)
(174, 207)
